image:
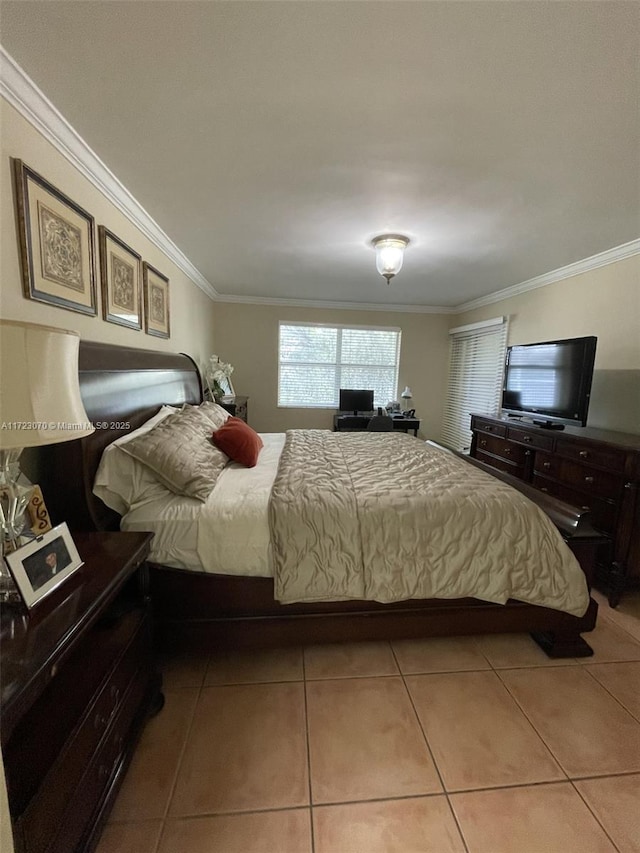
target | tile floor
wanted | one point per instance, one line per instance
(479, 744)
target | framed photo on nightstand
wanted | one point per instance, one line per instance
(43, 564)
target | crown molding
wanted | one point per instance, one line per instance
(345, 306)
(610, 256)
(22, 93)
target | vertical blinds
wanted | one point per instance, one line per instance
(315, 361)
(476, 365)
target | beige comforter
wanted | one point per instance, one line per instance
(386, 517)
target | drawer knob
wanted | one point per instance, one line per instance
(588, 479)
(584, 454)
(507, 450)
(546, 464)
(587, 508)
(99, 721)
(483, 442)
(544, 489)
(526, 438)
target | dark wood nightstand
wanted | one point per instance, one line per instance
(77, 683)
(236, 406)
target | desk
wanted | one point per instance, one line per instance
(359, 423)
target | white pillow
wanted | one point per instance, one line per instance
(121, 480)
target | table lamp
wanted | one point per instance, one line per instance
(406, 397)
(40, 404)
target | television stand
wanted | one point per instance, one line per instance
(548, 425)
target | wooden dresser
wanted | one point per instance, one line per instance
(588, 468)
(236, 406)
(77, 683)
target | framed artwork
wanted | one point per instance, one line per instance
(57, 244)
(43, 564)
(121, 281)
(156, 302)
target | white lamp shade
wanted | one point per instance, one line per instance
(40, 399)
(406, 394)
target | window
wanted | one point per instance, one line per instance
(476, 365)
(316, 360)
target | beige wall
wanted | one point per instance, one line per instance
(192, 312)
(604, 302)
(247, 336)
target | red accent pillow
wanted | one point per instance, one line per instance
(238, 441)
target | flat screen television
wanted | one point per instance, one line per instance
(550, 382)
(352, 400)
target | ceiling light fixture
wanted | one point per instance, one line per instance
(389, 253)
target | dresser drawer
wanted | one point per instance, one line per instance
(489, 426)
(603, 514)
(501, 464)
(514, 453)
(533, 439)
(547, 465)
(604, 484)
(604, 457)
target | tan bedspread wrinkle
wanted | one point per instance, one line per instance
(385, 517)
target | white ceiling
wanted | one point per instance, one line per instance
(272, 140)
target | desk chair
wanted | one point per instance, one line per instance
(380, 423)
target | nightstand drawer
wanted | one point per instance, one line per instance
(41, 818)
(99, 773)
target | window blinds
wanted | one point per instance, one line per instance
(316, 360)
(476, 366)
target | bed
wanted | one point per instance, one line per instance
(122, 388)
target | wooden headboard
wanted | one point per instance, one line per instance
(121, 388)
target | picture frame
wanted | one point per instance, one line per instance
(57, 244)
(157, 309)
(44, 564)
(227, 386)
(120, 275)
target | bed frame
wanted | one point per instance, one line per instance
(121, 388)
